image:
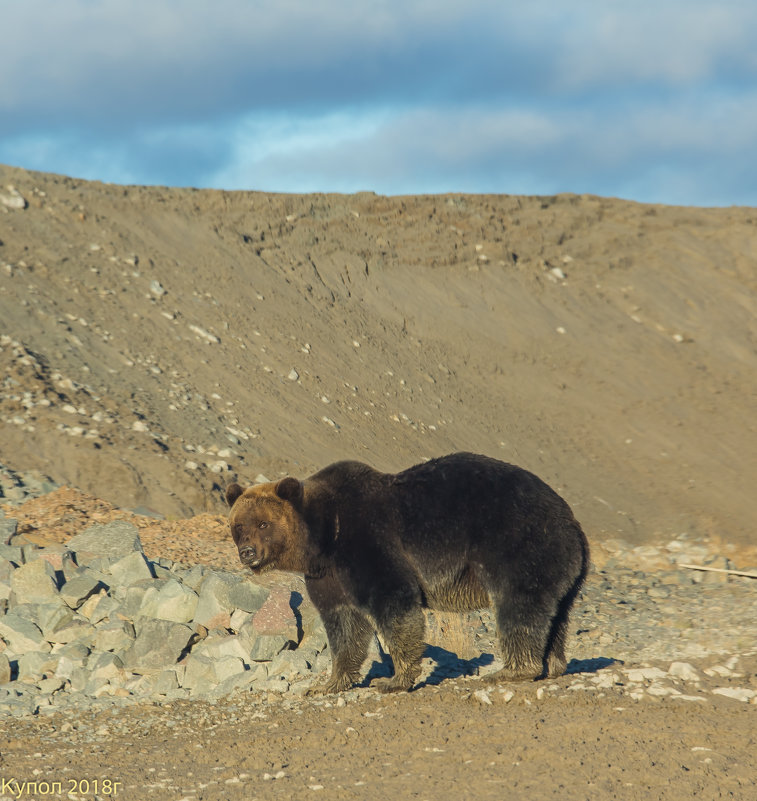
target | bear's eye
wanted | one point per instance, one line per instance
(263, 524)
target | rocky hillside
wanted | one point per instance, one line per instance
(156, 343)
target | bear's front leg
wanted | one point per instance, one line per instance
(348, 631)
(404, 637)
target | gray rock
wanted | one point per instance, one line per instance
(214, 607)
(37, 665)
(166, 682)
(315, 640)
(159, 644)
(89, 606)
(248, 596)
(12, 553)
(75, 630)
(273, 685)
(161, 572)
(78, 679)
(221, 646)
(106, 665)
(239, 681)
(289, 665)
(106, 606)
(33, 582)
(67, 665)
(203, 673)
(51, 617)
(173, 601)
(8, 528)
(137, 594)
(194, 577)
(30, 551)
(50, 685)
(267, 646)
(131, 568)
(76, 591)
(240, 619)
(21, 634)
(77, 651)
(116, 635)
(114, 540)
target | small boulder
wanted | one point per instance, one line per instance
(159, 644)
(131, 568)
(113, 540)
(173, 601)
(248, 596)
(33, 582)
(21, 634)
(80, 587)
(214, 607)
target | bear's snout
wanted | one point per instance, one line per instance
(248, 555)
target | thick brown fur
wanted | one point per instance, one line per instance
(456, 533)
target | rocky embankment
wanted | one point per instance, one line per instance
(95, 623)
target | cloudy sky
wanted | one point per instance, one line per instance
(653, 101)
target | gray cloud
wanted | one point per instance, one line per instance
(395, 96)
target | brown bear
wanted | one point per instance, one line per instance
(456, 533)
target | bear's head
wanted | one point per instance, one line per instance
(267, 525)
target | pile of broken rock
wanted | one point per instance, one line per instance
(96, 619)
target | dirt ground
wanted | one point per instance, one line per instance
(159, 343)
(437, 744)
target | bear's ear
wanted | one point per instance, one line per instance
(233, 491)
(289, 489)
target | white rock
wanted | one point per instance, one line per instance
(157, 289)
(139, 425)
(645, 674)
(719, 670)
(738, 693)
(482, 697)
(662, 689)
(293, 375)
(683, 670)
(13, 199)
(604, 681)
(206, 335)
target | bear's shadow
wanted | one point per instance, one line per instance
(591, 665)
(450, 666)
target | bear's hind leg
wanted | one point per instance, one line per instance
(523, 637)
(404, 637)
(349, 634)
(557, 663)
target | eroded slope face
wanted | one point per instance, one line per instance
(162, 342)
